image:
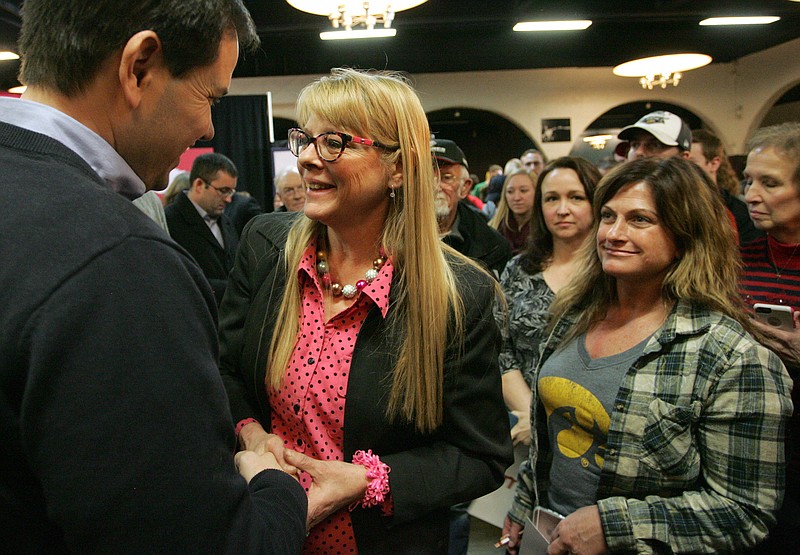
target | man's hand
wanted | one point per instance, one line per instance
(250, 463)
(253, 438)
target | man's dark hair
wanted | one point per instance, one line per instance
(64, 43)
(206, 167)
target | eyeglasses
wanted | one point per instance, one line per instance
(446, 178)
(286, 191)
(329, 145)
(224, 191)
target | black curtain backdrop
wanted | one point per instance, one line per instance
(242, 134)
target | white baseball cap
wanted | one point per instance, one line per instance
(668, 128)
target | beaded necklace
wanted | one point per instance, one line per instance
(347, 290)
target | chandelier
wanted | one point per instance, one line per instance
(598, 142)
(661, 71)
(352, 19)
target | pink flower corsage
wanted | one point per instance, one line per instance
(377, 493)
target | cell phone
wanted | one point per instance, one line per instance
(775, 315)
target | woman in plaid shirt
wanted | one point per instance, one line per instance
(660, 420)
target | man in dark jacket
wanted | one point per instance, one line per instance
(466, 230)
(197, 219)
(116, 430)
(460, 226)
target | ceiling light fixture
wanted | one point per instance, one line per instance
(567, 25)
(8, 55)
(18, 89)
(598, 142)
(660, 71)
(356, 19)
(755, 20)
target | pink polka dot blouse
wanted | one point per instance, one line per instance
(308, 410)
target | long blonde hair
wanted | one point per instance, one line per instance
(427, 309)
(503, 215)
(708, 269)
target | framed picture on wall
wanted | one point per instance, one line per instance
(556, 130)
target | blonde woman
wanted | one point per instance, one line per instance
(357, 347)
(513, 215)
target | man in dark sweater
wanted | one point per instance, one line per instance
(460, 226)
(116, 432)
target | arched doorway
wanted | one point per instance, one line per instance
(485, 137)
(785, 109)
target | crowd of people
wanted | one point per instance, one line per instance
(347, 373)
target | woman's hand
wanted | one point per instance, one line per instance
(786, 344)
(253, 438)
(581, 533)
(335, 484)
(514, 533)
(521, 432)
(250, 463)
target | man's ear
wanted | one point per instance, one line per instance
(197, 186)
(466, 187)
(715, 163)
(141, 56)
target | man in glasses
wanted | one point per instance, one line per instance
(291, 190)
(197, 221)
(460, 226)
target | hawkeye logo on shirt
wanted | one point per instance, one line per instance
(582, 417)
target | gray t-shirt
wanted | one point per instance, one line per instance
(578, 394)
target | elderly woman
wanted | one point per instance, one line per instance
(560, 222)
(513, 215)
(356, 346)
(772, 276)
(659, 419)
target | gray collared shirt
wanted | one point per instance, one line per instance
(87, 144)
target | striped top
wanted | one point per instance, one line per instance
(771, 273)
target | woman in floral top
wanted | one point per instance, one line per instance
(561, 220)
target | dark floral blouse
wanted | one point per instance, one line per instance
(523, 327)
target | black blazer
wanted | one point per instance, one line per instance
(188, 229)
(462, 460)
(241, 209)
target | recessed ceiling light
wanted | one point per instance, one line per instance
(8, 55)
(569, 25)
(358, 34)
(17, 90)
(755, 20)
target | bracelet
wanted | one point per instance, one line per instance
(242, 424)
(378, 488)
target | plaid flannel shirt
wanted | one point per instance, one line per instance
(695, 451)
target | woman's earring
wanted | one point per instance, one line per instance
(391, 194)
